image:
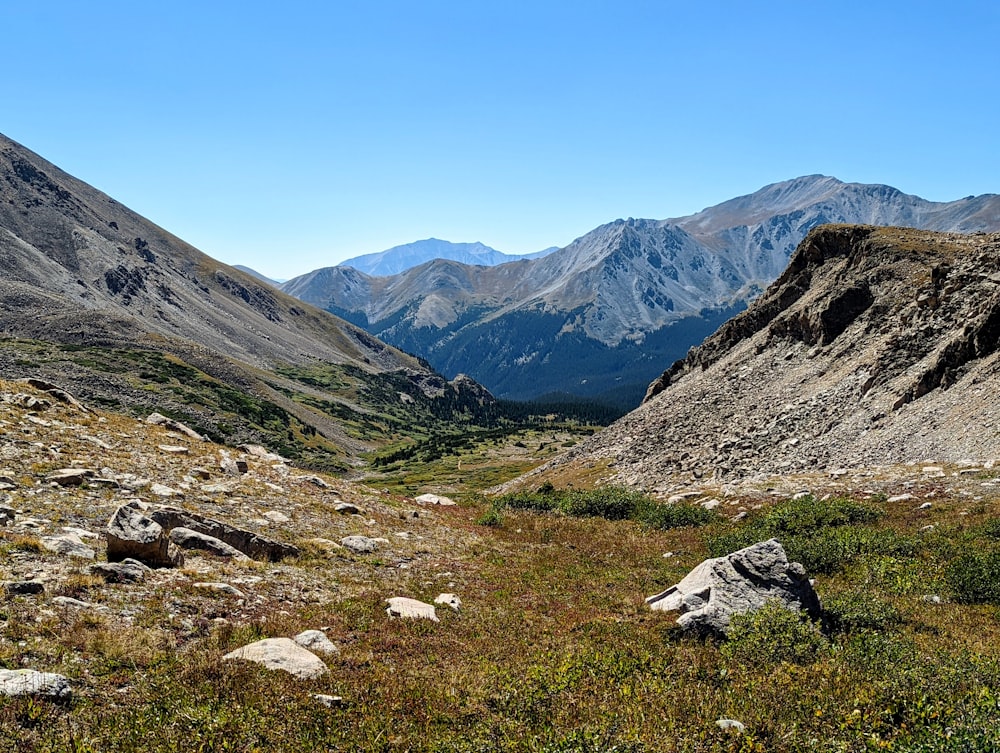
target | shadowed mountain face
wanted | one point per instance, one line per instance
(875, 346)
(603, 315)
(79, 270)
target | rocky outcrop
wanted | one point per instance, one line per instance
(744, 581)
(876, 346)
(249, 543)
(132, 535)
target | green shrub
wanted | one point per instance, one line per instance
(492, 518)
(860, 610)
(771, 635)
(663, 516)
(609, 502)
(974, 577)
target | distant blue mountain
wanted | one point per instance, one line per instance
(401, 258)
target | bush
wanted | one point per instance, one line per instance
(974, 577)
(663, 516)
(610, 503)
(773, 634)
(860, 610)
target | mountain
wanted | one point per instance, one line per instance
(876, 346)
(258, 275)
(602, 316)
(401, 258)
(104, 302)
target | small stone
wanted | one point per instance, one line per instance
(901, 497)
(400, 606)
(71, 476)
(449, 600)
(359, 544)
(158, 419)
(709, 504)
(223, 588)
(316, 640)
(70, 603)
(276, 516)
(801, 495)
(730, 725)
(161, 490)
(346, 508)
(932, 599)
(174, 449)
(925, 506)
(330, 701)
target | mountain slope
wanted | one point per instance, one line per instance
(876, 346)
(607, 312)
(95, 297)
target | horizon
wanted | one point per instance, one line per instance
(294, 140)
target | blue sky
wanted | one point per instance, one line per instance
(290, 136)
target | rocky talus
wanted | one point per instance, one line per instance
(876, 346)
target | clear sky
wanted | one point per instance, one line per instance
(291, 135)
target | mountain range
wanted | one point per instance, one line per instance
(102, 301)
(601, 317)
(875, 347)
(401, 258)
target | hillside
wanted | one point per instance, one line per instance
(876, 346)
(104, 302)
(602, 316)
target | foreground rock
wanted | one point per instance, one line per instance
(131, 535)
(744, 581)
(15, 682)
(400, 606)
(284, 654)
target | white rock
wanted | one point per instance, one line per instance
(224, 588)
(16, 682)
(730, 724)
(281, 653)
(70, 544)
(161, 490)
(449, 600)
(435, 499)
(316, 640)
(276, 516)
(400, 606)
(901, 497)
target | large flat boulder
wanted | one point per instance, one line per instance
(281, 653)
(741, 582)
(132, 535)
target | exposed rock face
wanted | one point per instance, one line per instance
(876, 346)
(284, 654)
(131, 535)
(744, 581)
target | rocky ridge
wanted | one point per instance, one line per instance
(612, 307)
(875, 347)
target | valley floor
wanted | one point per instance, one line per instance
(552, 649)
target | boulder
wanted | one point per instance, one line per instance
(188, 539)
(69, 544)
(741, 582)
(132, 535)
(158, 419)
(22, 587)
(449, 600)
(14, 682)
(281, 653)
(71, 476)
(126, 571)
(400, 606)
(252, 545)
(316, 640)
(359, 544)
(435, 499)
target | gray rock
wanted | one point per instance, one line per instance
(281, 653)
(400, 606)
(126, 571)
(69, 544)
(316, 640)
(160, 420)
(16, 682)
(346, 508)
(71, 476)
(23, 587)
(188, 539)
(359, 544)
(251, 544)
(222, 588)
(449, 600)
(131, 535)
(70, 603)
(7, 515)
(741, 582)
(730, 725)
